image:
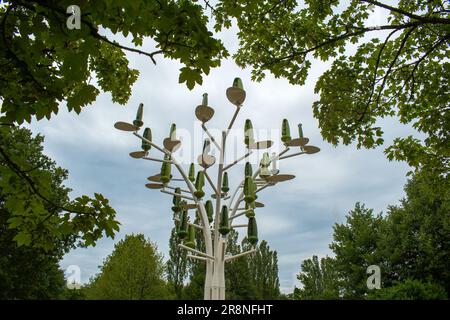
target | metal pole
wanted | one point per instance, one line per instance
(178, 195)
(218, 285)
(210, 136)
(227, 259)
(237, 160)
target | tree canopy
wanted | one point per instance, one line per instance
(319, 279)
(395, 68)
(133, 271)
(410, 244)
(27, 272)
(44, 63)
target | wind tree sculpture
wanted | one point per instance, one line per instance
(215, 223)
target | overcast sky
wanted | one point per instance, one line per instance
(298, 215)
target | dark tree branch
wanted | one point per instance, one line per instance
(420, 60)
(402, 45)
(93, 29)
(20, 63)
(208, 5)
(369, 101)
(408, 14)
(343, 36)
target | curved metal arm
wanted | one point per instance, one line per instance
(156, 160)
(210, 136)
(293, 155)
(237, 160)
(229, 258)
(163, 150)
(211, 183)
(178, 195)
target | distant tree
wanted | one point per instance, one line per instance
(176, 265)
(410, 244)
(263, 265)
(355, 245)
(240, 284)
(73, 294)
(133, 271)
(194, 290)
(416, 240)
(319, 280)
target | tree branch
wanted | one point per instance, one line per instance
(375, 72)
(408, 14)
(402, 44)
(93, 29)
(343, 36)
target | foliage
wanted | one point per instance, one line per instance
(133, 271)
(319, 279)
(33, 193)
(263, 266)
(176, 265)
(355, 247)
(416, 241)
(31, 271)
(239, 278)
(410, 244)
(25, 272)
(73, 294)
(44, 62)
(410, 290)
(194, 290)
(398, 68)
(394, 69)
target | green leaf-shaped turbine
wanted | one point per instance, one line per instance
(191, 237)
(223, 227)
(248, 133)
(140, 112)
(147, 135)
(176, 201)
(248, 169)
(191, 174)
(225, 187)
(209, 210)
(300, 130)
(182, 230)
(165, 170)
(285, 131)
(252, 231)
(249, 190)
(237, 83)
(199, 183)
